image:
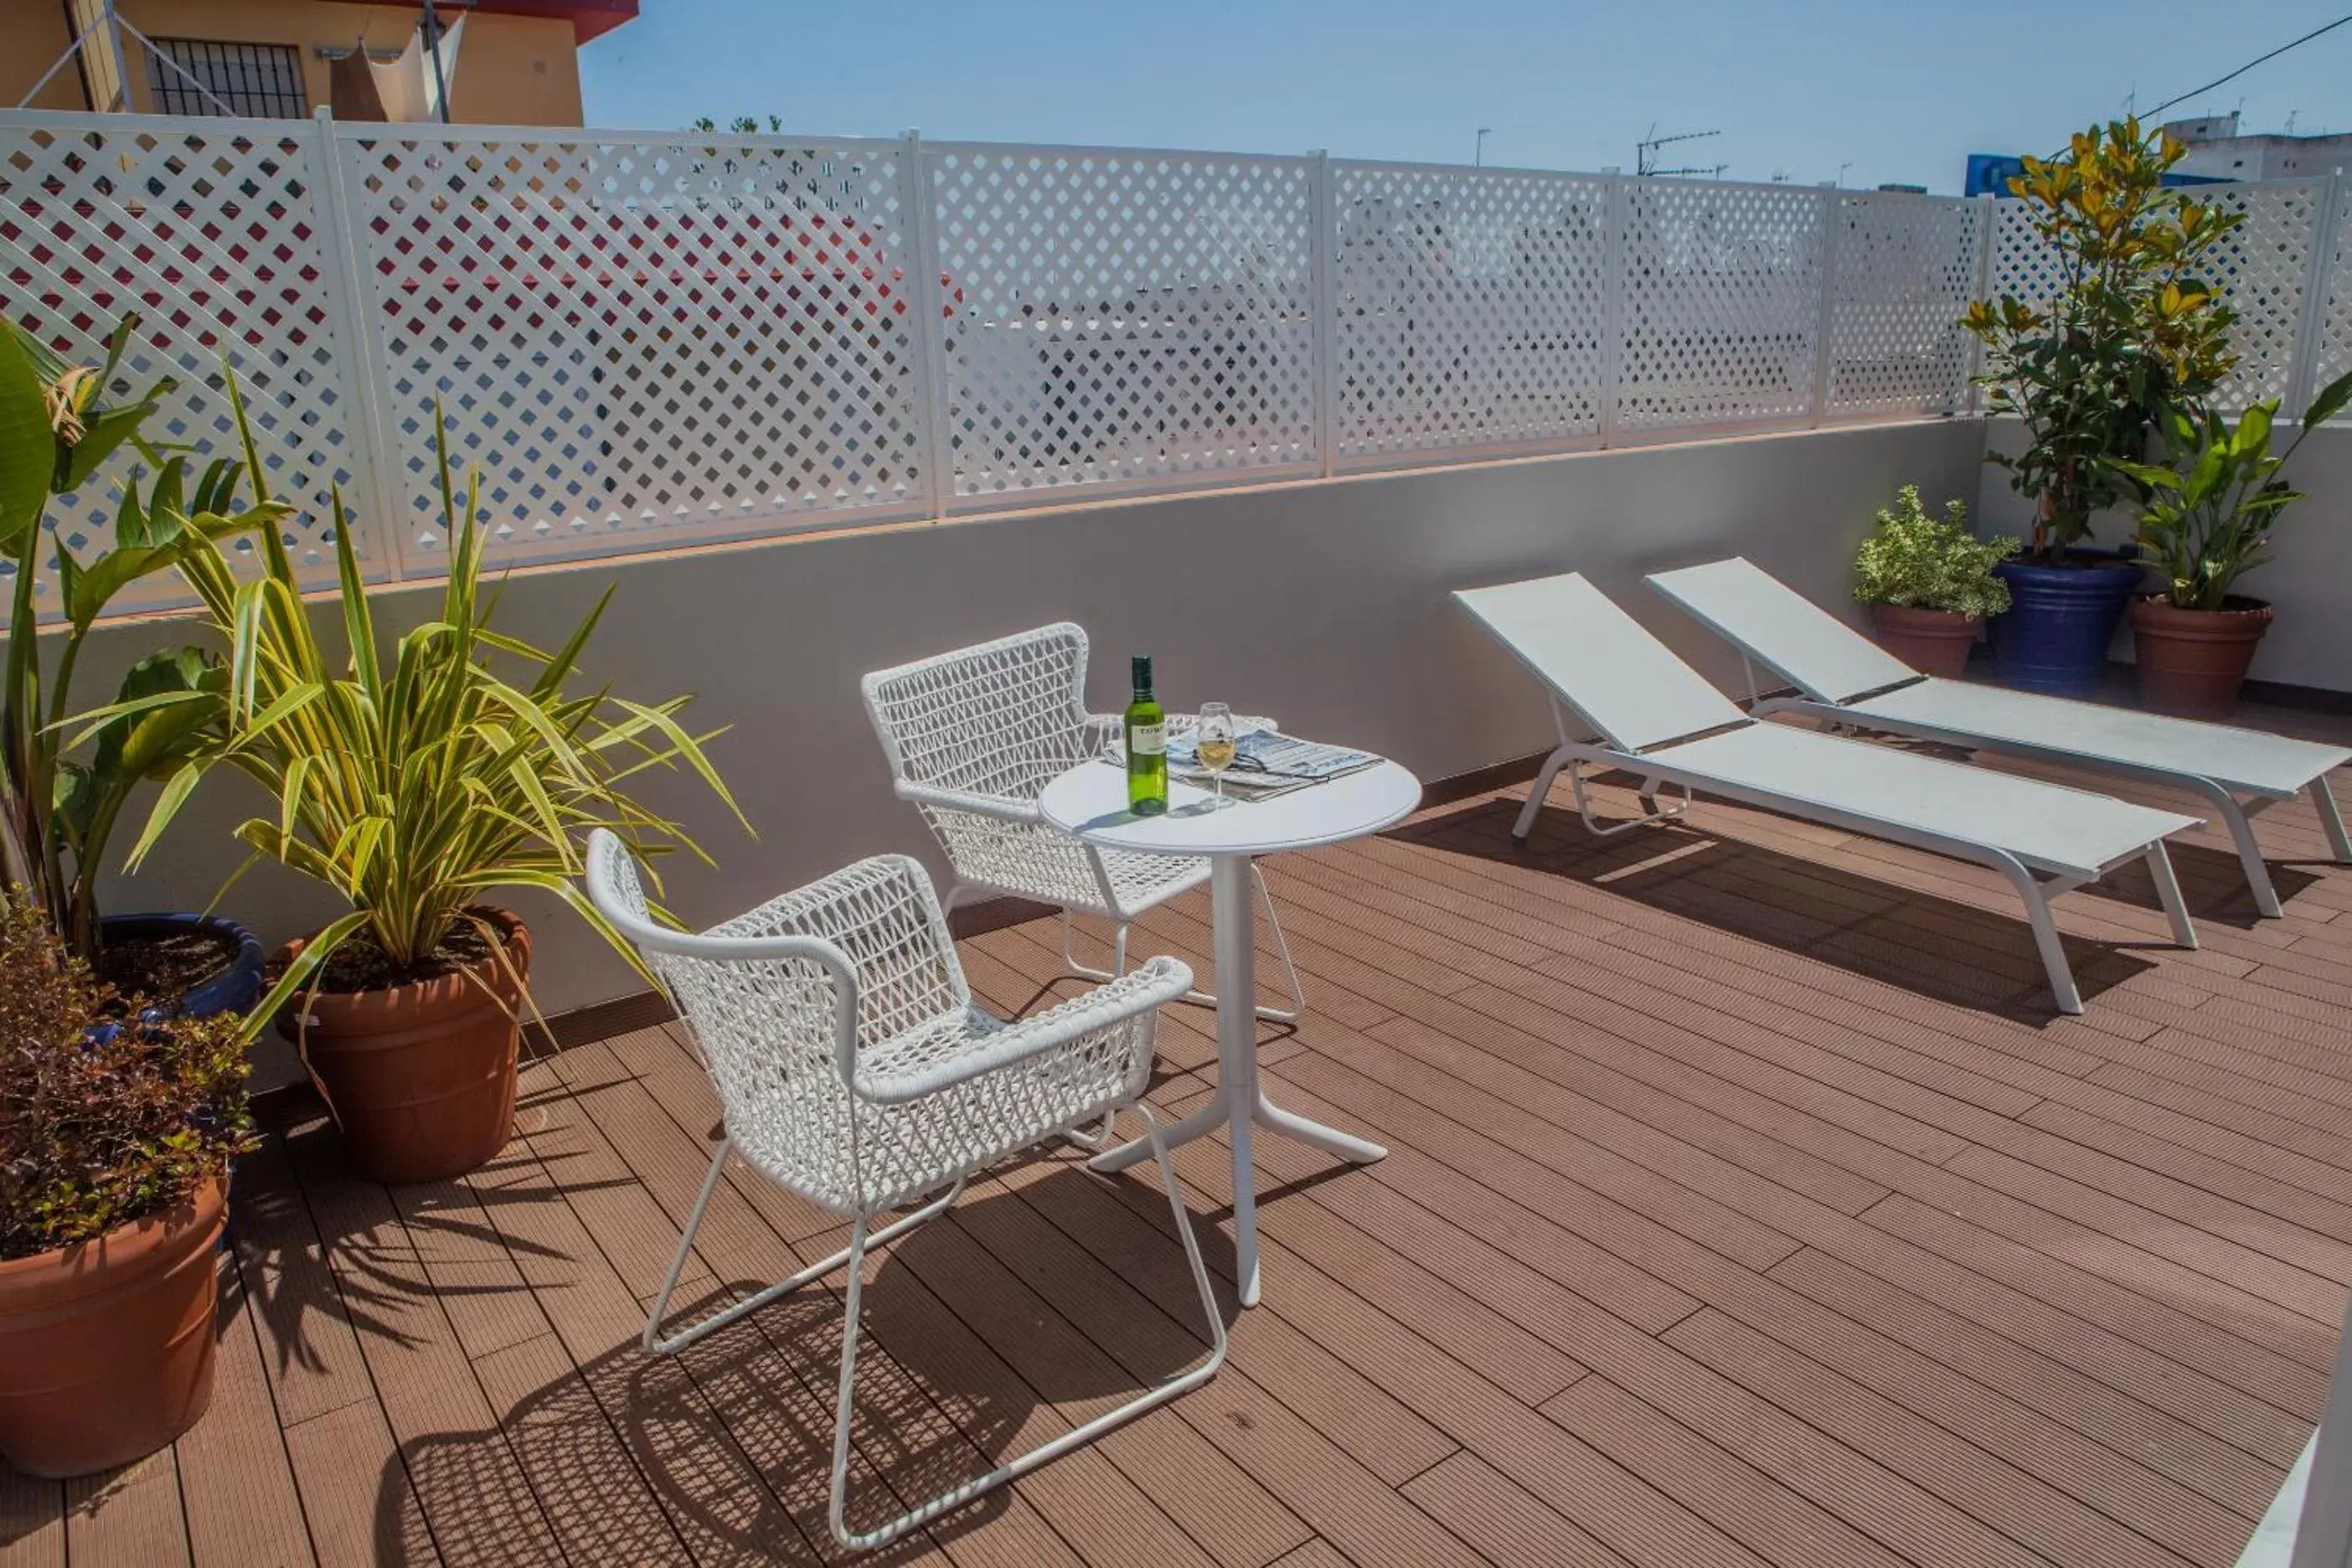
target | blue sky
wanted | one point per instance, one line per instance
(1899, 91)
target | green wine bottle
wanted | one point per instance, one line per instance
(1146, 745)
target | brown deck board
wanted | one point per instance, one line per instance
(1746, 1205)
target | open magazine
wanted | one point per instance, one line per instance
(1266, 762)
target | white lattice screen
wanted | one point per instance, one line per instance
(1723, 304)
(2331, 350)
(642, 340)
(1904, 271)
(1124, 317)
(1468, 309)
(211, 231)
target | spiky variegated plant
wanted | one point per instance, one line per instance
(413, 786)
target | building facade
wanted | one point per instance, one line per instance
(2217, 152)
(518, 63)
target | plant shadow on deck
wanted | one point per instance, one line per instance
(723, 1451)
(1883, 931)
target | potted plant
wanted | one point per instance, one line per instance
(65, 781)
(2208, 523)
(118, 1123)
(2130, 334)
(415, 783)
(1930, 584)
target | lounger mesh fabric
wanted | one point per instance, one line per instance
(765, 1029)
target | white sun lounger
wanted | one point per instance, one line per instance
(1841, 675)
(1661, 722)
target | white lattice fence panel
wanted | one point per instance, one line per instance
(209, 230)
(641, 341)
(1904, 271)
(2332, 342)
(1722, 304)
(2024, 265)
(2260, 266)
(1124, 318)
(1467, 308)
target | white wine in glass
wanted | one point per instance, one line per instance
(1212, 742)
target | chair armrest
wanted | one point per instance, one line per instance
(1139, 992)
(1003, 807)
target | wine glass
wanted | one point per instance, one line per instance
(1212, 742)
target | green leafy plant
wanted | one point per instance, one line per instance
(2132, 335)
(412, 781)
(60, 791)
(1915, 560)
(2210, 515)
(108, 1111)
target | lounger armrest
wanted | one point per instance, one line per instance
(1136, 993)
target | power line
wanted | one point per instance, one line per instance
(2249, 65)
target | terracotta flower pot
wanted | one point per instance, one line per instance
(420, 1077)
(2192, 662)
(106, 1347)
(1933, 642)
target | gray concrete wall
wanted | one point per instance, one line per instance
(2310, 643)
(1322, 604)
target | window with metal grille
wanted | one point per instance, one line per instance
(261, 79)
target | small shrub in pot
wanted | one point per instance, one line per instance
(1929, 582)
(118, 1123)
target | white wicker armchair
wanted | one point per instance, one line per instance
(854, 1070)
(974, 736)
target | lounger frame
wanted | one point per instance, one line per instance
(2036, 885)
(2236, 814)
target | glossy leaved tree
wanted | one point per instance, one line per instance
(2135, 332)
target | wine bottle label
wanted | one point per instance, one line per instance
(1148, 740)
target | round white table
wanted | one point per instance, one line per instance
(1089, 802)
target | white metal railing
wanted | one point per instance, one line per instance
(651, 338)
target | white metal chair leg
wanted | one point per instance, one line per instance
(1525, 823)
(1076, 1437)
(1298, 992)
(2250, 850)
(652, 1338)
(2324, 800)
(2045, 936)
(2167, 891)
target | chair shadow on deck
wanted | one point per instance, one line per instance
(723, 1451)
(1981, 959)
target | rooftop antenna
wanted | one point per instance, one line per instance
(1645, 151)
(2290, 120)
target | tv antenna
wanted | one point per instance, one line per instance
(1645, 153)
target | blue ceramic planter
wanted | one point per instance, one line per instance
(234, 989)
(2061, 621)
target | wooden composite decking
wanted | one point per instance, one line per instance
(1746, 1205)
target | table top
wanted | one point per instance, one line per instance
(1089, 801)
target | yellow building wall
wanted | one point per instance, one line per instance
(511, 70)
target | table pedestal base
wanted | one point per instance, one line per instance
(1240, 1104)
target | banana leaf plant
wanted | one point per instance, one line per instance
(416, 779)
(2211, 512)
(62, 793)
